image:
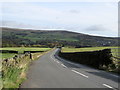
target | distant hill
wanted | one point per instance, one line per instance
(18, 37)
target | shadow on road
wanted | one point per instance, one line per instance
(104, 75)
(89, 70)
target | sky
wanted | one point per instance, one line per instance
(95, 18)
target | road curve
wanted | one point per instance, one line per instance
(51, 71)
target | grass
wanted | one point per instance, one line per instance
(8, 55)
(15, 73)
(1, 84)
(114, 50)
(12, 73)
(65, 49)
(22, 49)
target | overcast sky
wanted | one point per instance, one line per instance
(95, 18)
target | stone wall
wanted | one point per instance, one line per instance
(93, 58)
(8, 51)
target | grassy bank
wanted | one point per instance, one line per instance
(14, 70)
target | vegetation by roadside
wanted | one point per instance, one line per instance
(14, 69)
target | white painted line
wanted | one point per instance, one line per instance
(115, 76)
(80, 73)
(71, 63)
(63, 65)
(107, 86)
(58, 62)
(52, 57)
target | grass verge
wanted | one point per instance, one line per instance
(14, 71)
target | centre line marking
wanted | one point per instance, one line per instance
(80, 73)
(58, 62)
(107, 86)
(52, 58)
(63, 65)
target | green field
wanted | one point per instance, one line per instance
(20, 50)
(114, 50)
(7, 55)
(18, 37)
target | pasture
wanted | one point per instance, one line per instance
(20, 50)
(7, 55)
(114, 50)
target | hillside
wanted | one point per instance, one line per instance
(18, 37)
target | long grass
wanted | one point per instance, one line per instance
(15, 74)
(12, 73)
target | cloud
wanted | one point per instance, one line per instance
(96, 28)
(14, 24)
(80, 17)
(59, 0)
(74, 11)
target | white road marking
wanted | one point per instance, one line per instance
(107, 86)
(63, 65)
(52, 57)
(58, 62)
(80, 73)
(115, 76)
(70, 62)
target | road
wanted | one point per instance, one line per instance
(51, 71)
